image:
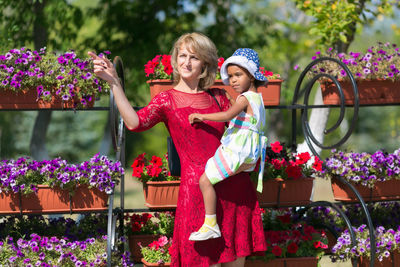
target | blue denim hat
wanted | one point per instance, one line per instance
(246, 58)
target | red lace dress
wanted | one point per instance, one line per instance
(238, 212)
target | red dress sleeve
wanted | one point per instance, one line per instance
(153, 113)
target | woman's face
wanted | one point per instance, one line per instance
(189, 64)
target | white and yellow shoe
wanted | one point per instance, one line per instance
(205, 232)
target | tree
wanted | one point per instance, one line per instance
(46, 22)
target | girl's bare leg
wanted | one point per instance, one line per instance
(209, 195)
(210, 228)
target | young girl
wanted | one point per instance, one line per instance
(243, 142)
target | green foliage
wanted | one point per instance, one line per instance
(336, 21)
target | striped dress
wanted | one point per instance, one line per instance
(243, 142)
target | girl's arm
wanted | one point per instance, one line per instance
(104, 69)
(240, 105)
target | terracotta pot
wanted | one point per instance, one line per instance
(53, 200)
(9, 203)
(162, 194)
(148, 264)
(134, 248)
(86, 199)
(370, 92)
(392, 261)
(28, 100)
(284, 262)
(277, 192)
(383, 191)
(271, 92)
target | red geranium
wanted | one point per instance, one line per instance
(286, 238)
(276, 147)
(292, 248)
(159, 67)
(281, 162)
(276, 250)
(151, 170)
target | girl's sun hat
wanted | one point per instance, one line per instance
(246, 58)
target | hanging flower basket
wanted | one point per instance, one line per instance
(278, 192)
(370, 92)
(271, 92)
(284, 262)
(161, 194)
(382, 191)
(53, 200)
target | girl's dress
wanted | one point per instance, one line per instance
(238, 212)
(243, 142)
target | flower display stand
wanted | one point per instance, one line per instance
(53, 200)
(134, 248)
(370, 92)
(278, 192)
(161, 195)
(284, 262)
(271, 92)
(148, 264)
(383, 191)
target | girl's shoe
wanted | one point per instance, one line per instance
(213, 232)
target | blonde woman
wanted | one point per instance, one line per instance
(194, 59)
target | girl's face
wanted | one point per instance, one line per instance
(239, 78)
(189, 64)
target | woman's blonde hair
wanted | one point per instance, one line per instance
(205, 49)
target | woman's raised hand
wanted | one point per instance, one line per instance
(104, 69)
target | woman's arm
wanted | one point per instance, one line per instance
(239, 106)
(104, 69)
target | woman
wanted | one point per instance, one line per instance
(194, 59)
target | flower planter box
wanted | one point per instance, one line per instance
(370, 92)
(53, 200)
(134, 248)
(271, 92)
(28, 100)
(148, 264)
(393, 260)
(161, 195)
(284, 262)
(277, 192)
(383, 191)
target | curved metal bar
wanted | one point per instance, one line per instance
(110, 229)
(367, 215)
(307, 90)
(118, 139)
(346, 220)
(114, 114)
(342, 100)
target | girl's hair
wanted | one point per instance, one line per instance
(205, 49)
